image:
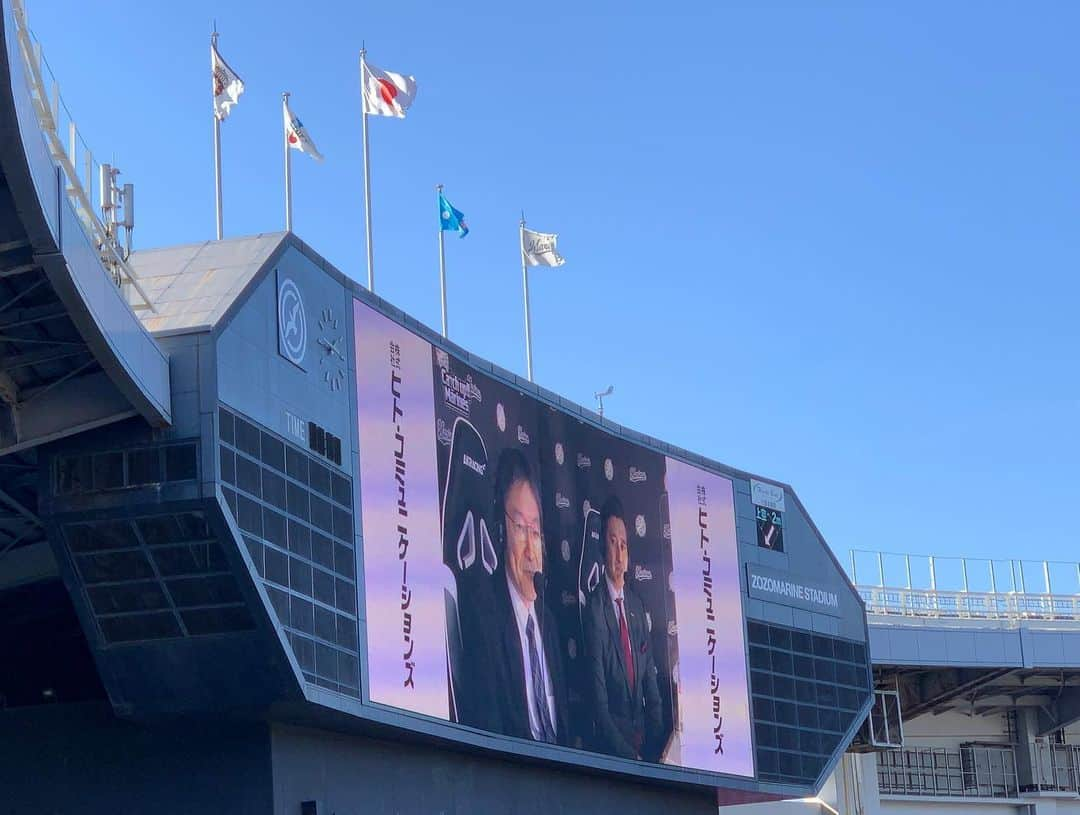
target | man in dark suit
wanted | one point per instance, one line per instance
(525, 679)
(622, 672)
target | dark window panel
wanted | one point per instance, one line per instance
(321, 516)
(786, 713)
(768, 761)
(320, 478)
(189, 558)
(343, 525)
(342, 490)
(225, 426)
(280, 602)
(143, 467)
(349, 671)
(325, 624)
(303, 615)
(802, 642)
(323, 587)
(277, 566)
(759, 658)
(784, 687)
(764, 709)
(823, 646)
(300, 576)
(787, 738)
(273, 488)
(299, 539)
(829, 718)
(296, 464)
(108, 471)
(304, 649)
(160, 530)
(227, 463)
(843, 650)
(826, 695)
(346, 633)
(790, 765)
(780, 637)
(108, 567)
(274, 528)
(761, 682)
(161, 625)
(808, 716)
(344, 561)
(204, 591)
(73, 474)
(766, 735)
(326, 662)
(247, 438)
(297, 501)
(230, 500)
(145, 596)
(825, 670)
(757, 633)
(180, 462)
(346, 596)
(247, 476)
(781, 662)
(255, 548)
(249, 515)
(322, 550)
(217, 620)
(273, 452)
(193, 526)
(100, 537)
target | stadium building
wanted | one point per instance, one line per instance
(268, 544)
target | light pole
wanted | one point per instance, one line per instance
(600, 399)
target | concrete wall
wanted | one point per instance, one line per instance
(349, 775)
(81, 760)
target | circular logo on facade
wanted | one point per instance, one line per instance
(292, 324)
(560, 456)
(639, 525)
(609, 469)
(500, 417)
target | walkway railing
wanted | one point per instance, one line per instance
(977, 771)
(968, 588)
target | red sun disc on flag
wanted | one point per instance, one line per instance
(388, 90)
(292, 138)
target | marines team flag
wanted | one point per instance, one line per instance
(226, 84)
(539, 248)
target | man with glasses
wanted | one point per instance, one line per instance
(528, 695)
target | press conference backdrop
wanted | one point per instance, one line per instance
(431, 432)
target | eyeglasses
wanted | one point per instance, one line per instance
(523, 531)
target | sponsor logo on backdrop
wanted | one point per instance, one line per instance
(609, 469)
(442, 433)
(565, 549)
(583, 461)
(523, 437)
(639, 526)
(458, 393)
(292, 322)
(571, 648)
(586, 505)
(593, 580)
(648, 621)
(637, 476)
(442, 358)
(672, 629)
(560, 454)
(667, 532)
(641, 573)
(767, 495)
(568, 599)
(500, 417)
(473, 464)
(561, 501)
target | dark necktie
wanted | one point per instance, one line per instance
(628, 653)
(547, 731)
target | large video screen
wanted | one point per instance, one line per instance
(531, 575)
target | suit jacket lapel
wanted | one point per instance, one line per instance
(512, 656)
(613, 629)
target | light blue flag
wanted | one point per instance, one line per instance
(450, 219)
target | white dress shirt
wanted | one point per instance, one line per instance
(522, 612)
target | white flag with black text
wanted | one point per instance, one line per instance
(539, 248)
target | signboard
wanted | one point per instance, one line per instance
(531, 575)
(768, 495)
(292, 321)
(775, 586)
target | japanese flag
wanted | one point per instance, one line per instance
(225, 85)
(386, 93)
(296, 135)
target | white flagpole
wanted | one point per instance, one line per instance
(442, 263)
(217, 150)
(288, 163)
(367, 172)
(525, 283)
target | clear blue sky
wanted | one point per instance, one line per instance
(834, 245)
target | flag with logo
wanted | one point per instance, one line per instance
(385, 92)
(450, 219)
(225, 84)
(539, 248)
(296, 134)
